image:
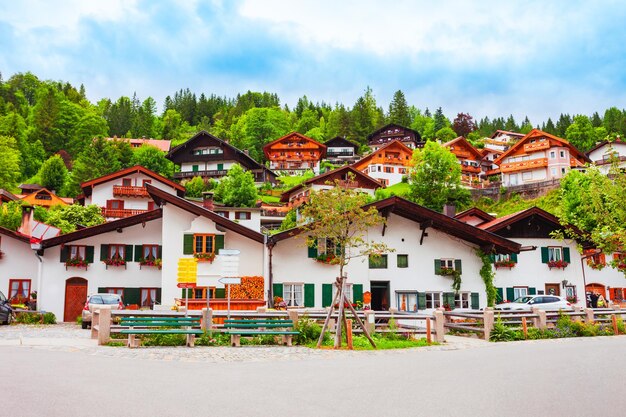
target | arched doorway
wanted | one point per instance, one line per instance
(597, 288)
(75, 298)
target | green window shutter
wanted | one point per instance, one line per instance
(499, 295)
(566, 257)
(532, 291)
(132, 296)
(402, 261)
(448, 298)
(492, 257)
(194, 168)
(475, 301)
(65, 253)
(102, 290)
(138, 252)
(160, 252)
(187, 244)
(544, 255)
(220, 167)
(220, 293)
(158, 295)
(89, 254)
(421, 300)
(128, 254)
(309, 295)
(104, 252)
(510, 294)
(338, 249)
(514, 257)
(312, 250)
(458, 266)
(437, 266)
(219, 243)
(357, 292)
(277, 289)
(327, 294)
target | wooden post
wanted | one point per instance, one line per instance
(349, 334)
(428, 337)
(614, 320)
(203, 322)
(488, 320)
(524, 328)
(293, 316)
(440, 330)
(360, 323)
(341, 317)
(327, 320)
(95, 322)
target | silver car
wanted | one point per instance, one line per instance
(543, 302)
(98, 300)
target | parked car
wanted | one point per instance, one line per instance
(544, 302)
(6, 312)
(98, 300)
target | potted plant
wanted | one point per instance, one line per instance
(326, 258)
(204, 257)
(572, 299)
(504, 264)
(279, 303)
(117, 261)
(76, 263)
(150, 262)
(557, 264)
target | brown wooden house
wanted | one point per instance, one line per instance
(388, 133)
(294, 153)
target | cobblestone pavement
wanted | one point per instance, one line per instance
(71, 338)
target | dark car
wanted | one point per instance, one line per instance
(6, 312)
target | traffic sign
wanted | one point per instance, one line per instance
(186, 285)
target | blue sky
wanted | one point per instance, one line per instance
(493, 58)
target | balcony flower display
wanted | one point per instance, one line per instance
(204, 257)
(150, 262)
(572, 299)
(76, 263)
(115, 262)
(504, 264)
(557, 264)
(327, 258)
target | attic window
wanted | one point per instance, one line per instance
(43, 196)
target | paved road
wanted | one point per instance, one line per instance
(575, 377)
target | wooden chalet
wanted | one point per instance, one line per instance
(207, 156)
(388, 164)
(470, 159)
(340, 150)
(294, 152)
(6, 196)
(161, 144)
(388, 133)
(474, 216)
(45, 198)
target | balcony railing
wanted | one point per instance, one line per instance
(331, 152)
(530, 164)
(118, 213)
(348, 184)
(209, 173)
(128, 191)
(536, 146)
(470, 168)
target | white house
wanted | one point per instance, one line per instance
(409, 279)
(18, 265)
(604, 153)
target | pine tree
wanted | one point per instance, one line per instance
(399, 110)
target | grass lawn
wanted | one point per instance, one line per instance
(382, 342)
(291, 181)
(401, 189)
(270, 199)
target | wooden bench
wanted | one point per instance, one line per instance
(261, 327)
(160, 325)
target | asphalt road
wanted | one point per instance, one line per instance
(575, 377)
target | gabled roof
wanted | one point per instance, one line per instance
(538, 133)
(404, 208)
(322, 178)
(393, 143)
(504, 221)
(464, 142)
(388, 126)
(604, 143)
(53, 200)
(506, 132)
(269, 145)
(162, 144)
(137, 169)
(14, 235)
(474, 212)
(159, 196)
(103, 228)
(341, 141)
(7, 196)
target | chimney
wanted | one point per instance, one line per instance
(26, 228)
(207, 200)
(449, 210)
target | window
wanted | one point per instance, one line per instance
(242, 215)
(446, 263)
(115, 204)
(389, 170)
(552, 154)
(203, 243)
(144, 182)
(407, 301)
(378, 262)
(528, 175)
(19, 289)
(118, 291)
(117, 252)
(403, 261)
(555, 253)
(562, 170)
(570, 292)
(519, 292)
(462, 300)
(433, 299)
(150, 252)
(127, 182)
(148, 297)
(402, 170)
(224, 214)
(200, 292)
(553, 171)
(562, 154)
(326, 247)
(76, 252)
(293, 295)
(347, 291)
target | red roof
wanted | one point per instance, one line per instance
(88, 185)
(162, 144)
(465, 142)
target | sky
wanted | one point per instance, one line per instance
(486, 58)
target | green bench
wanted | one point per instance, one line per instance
(259, 327)
(160, 325)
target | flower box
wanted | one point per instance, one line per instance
(204, 257)
(557, 264)
(327, 258)
(447, 272)
(504, 264)
(572, 299)
(150, 262)
(114, 262)
(76, 263)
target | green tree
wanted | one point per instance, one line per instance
(53, 173)
(399, 110)
(67, 218)
(257, 127)
(153, 158)
(440, 119)
(445, 134)
(46, 119)
(11, 215)
(435, 179)
(581, 133)
(10, 158)
(425, 125)
(237, 189)
(96, 160)
(195, 187)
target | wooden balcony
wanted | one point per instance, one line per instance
(331, 153)
(471, 169)
(460, 153)
(523, 165)
(119, 213)
(348, 184)
(205, 174)
(128, 191)
(536, 146)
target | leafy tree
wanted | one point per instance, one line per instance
(445, 134)
(399, 110)
(195, 187)
(67, 218)
(435, 179)
(614, 121)
(425, 125)
(124, 152)
(153, 158)
(10, 158)
(257, 127)
(89, 126)
(581, 133)
(11, 215)
(119, 117)
(53, 173)
(463, 124)
(46, 119)
(237, 189)
(562, 124)
(96, 160)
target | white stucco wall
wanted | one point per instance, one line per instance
(103, 192)
(18, 262)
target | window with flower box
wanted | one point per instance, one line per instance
(447, 266)
(501, 260)
(555, 256)
(149, 254)
(407, 301)
(19, 290)
(116, 254)
(202, 243)
(77, 255)
(323, 250)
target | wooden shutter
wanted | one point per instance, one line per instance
(492, 258)
(138, 252)
(544, 255)
(309, 295)
(448, 298)
(187, 244)
(158, 296)
(514, 257)
(357, 292)
(475, 301)
(566, 256)
(312, 250)
(220, 293)
(65, 253)
(128, 253)
(132, 296)
(89, 254)
(277, 289)
(532, 291)
(327, 295)
(421, 300)
(338, 249)
(458, 266)
(160, 252)
(437, 266)
(510, 294)
(219, 243)
(102, 290)
(104, 252)
(499, 295)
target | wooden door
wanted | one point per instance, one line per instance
(597, 288)
(75, 298)
(553, 289)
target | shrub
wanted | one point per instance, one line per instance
(28, 318)
(49, 318)
(309, 331)
(502, 333)
(213, 339)
(164, 340)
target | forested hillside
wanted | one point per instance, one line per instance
(39, 119)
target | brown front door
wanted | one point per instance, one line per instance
(553, 289)
(75, 298)
(597, 288)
